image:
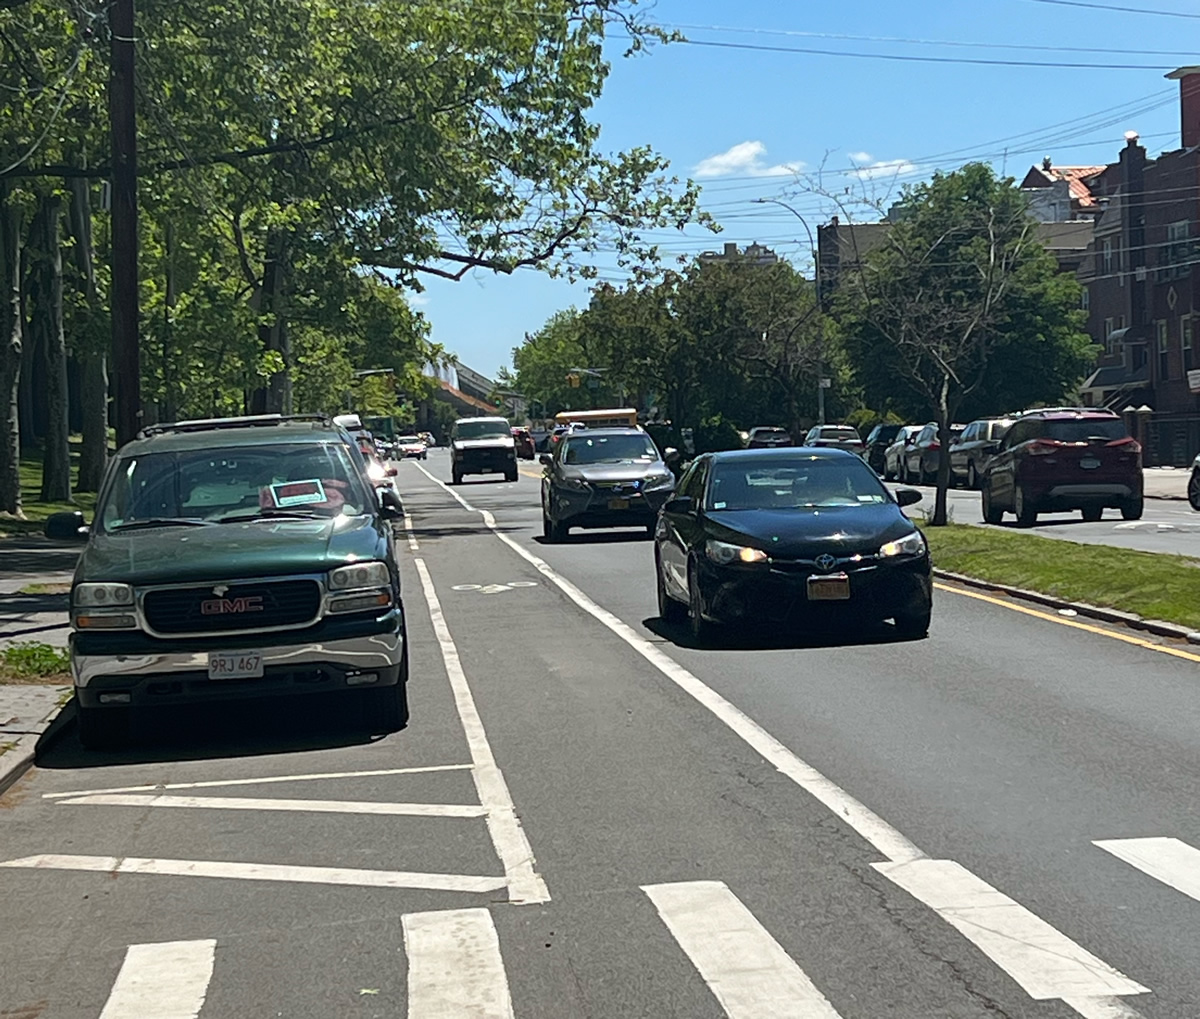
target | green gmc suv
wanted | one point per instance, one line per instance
(237, 558)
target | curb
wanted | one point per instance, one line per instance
(23, 756)
(1135, 622)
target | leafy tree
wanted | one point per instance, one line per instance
(962, 303)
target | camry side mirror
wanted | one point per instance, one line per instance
(545, 459)
(389, 503)
(393, 471)
(683, 504)
(66, 526)
(908, 496)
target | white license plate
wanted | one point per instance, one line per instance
(235, 665)
(1089, 463)
(835, 587)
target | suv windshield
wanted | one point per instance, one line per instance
(609, 449)
(793, 484)
(210, 485)
(1078, 430)
(485, 428)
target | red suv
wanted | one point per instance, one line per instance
(1065, 458)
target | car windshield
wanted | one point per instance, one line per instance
(767, 432)
(607, 449)
(485, 428)
(209, 485)
(838, 433)
(1077, 430)
(408, 440)
(800, 483)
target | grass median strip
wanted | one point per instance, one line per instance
(1149, 584)
(32, 662)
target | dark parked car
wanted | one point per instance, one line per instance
(1064, 459)
(236, 559)
(482, 446)
(523, 442)
(835, 437)
(923, 455)
(788, 537)
(1193, 488)
(878, 440)
(969, 453)
(603, 477)
(768, 438)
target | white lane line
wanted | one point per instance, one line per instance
(1170, 861)
(887, 840)
(163, 981)
(270, 780)
(1045, 962)
(525, 885)
(260, 872)
(412, 538)
(747, 969)
(455, 970)
(309, 806)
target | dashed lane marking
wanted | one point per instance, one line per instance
(299, 806)
(166, 981)
(454, 966)
(260, 872)
(1100, 631)
(1174, 863)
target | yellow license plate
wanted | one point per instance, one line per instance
(616, 504)
(835, 587)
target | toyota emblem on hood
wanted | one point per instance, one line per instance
(825, 562)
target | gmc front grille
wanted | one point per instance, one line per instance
(220, 609)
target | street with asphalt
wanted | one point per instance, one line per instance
(590, 816)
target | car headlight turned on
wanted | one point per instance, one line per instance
(910, 545)
(724, 554)
(103, 607)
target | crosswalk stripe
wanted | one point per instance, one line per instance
(162, 981)
(750, 974)
(1043, 960)
(454, 966)
(1170, 861)
(311, 806)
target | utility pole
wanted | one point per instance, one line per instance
(122, 116)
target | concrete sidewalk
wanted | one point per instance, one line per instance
(26, 711)
(1166, 482)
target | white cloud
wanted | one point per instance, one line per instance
(860, 157)
(418, 300)
(744, 160)
(883, 168)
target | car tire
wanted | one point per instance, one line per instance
(651, 529)
(103, 728)
(1025, 510)
(554, 532)
(992, 514)
(699, 627)
(510, 476)
(914, 626)
(385, 709)
(1092, 513)
(1131, 509)
(972, 477)
(669, 610)
(1193, 491)
(456, 478)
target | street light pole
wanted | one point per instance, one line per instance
(123, 123)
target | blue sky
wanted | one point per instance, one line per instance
(740, 121)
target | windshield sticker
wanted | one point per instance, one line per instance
(719, 505)
(298, 493)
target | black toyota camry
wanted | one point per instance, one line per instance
(790, 537)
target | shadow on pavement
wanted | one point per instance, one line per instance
(455, 530)
(599, 538)
(37, 556)
(209, 732)
(729, 638)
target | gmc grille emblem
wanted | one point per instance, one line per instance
(228, 606)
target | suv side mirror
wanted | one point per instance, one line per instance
(908, 496)
(683, 504)
(545, 459)
(66, 526)
(389, 503)
(670, 456)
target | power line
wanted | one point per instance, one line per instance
(1117, 8)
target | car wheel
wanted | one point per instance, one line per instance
(1025, 510)
(103, 728)
(1193, 490)
(699, 627)
(385, 709)
(669, 610)
(927, 478)
(555, 532)
(1092, 513)
(992, 514)
(456, 478)
(650, 530)
(914, 626)
(888, 474)
(510, 476)
(972, 477)
(1131, 509)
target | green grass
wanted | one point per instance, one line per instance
(33, 662)
(36, 512)
(1150, 584)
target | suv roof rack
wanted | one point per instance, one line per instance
(213, 424)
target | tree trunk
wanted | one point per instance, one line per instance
(10, 352)
(275, 396)
(943, 471)
(46, 311)
(28, 415)
(93, 454)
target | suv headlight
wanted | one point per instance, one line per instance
(723, 553)
(358, 576)
(910, 545)
(578, 484)
(654, 482)
(101, 596)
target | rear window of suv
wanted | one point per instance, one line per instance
(1084, 430)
